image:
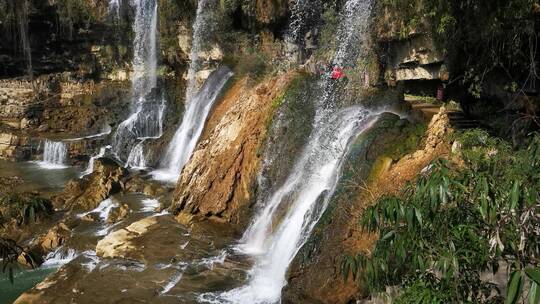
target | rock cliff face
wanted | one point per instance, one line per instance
(55, 106)
(407, 56)
(61, 36)
(219, 180)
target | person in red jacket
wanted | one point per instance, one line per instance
(337, 73)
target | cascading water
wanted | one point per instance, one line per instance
(90, 167)
(54, 154)
(202, 29)
(302, 20)
(59, 257)
(351, 37)
(187, 135)
(305, 195)
(137, 158)
(199, 103)
(275, 236)
(114, 8)
(146, 119)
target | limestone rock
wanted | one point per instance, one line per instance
(119, 244)
(88, 192)
(146, 186)
(54, 238)
(184, 40)
(269, 12)
(118, 213)
(318, 262)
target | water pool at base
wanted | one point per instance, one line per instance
(23, 281)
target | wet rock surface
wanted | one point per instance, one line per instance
(217, 182)
(141, 263)
(88, 192)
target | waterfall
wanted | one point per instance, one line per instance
(303, 12)
(305, 196)
(202, 29)
(198, 104)
(288, 216)
(59, 257)
(54, 155)
(114, 8)
(147, 108)
(136, 158)
(90, 167)
(186, 137)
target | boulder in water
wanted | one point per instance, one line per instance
(118, 213)
(54, 238)
(88, 192)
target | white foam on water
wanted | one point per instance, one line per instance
(172, 282)
(104, 208)
(150, 205)
(287, 217)
(59, 257)
(198, 102)
(93, 260)
(211, 261)
(147, 109)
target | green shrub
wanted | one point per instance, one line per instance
(26, 208)
(456, 222)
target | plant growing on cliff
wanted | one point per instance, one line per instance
(443, 234)
(26, 209)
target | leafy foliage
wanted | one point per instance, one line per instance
(456, 222)
(25, 208)
(9, 252)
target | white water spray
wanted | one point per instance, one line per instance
(198, 104)
(59, 257)
(186, 137)
(137, 158)
(305, 196)
(54, 155)
(114, 8)
(103, 209)
(146, 119)
(202, 28)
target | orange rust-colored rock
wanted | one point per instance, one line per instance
(217, 182)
